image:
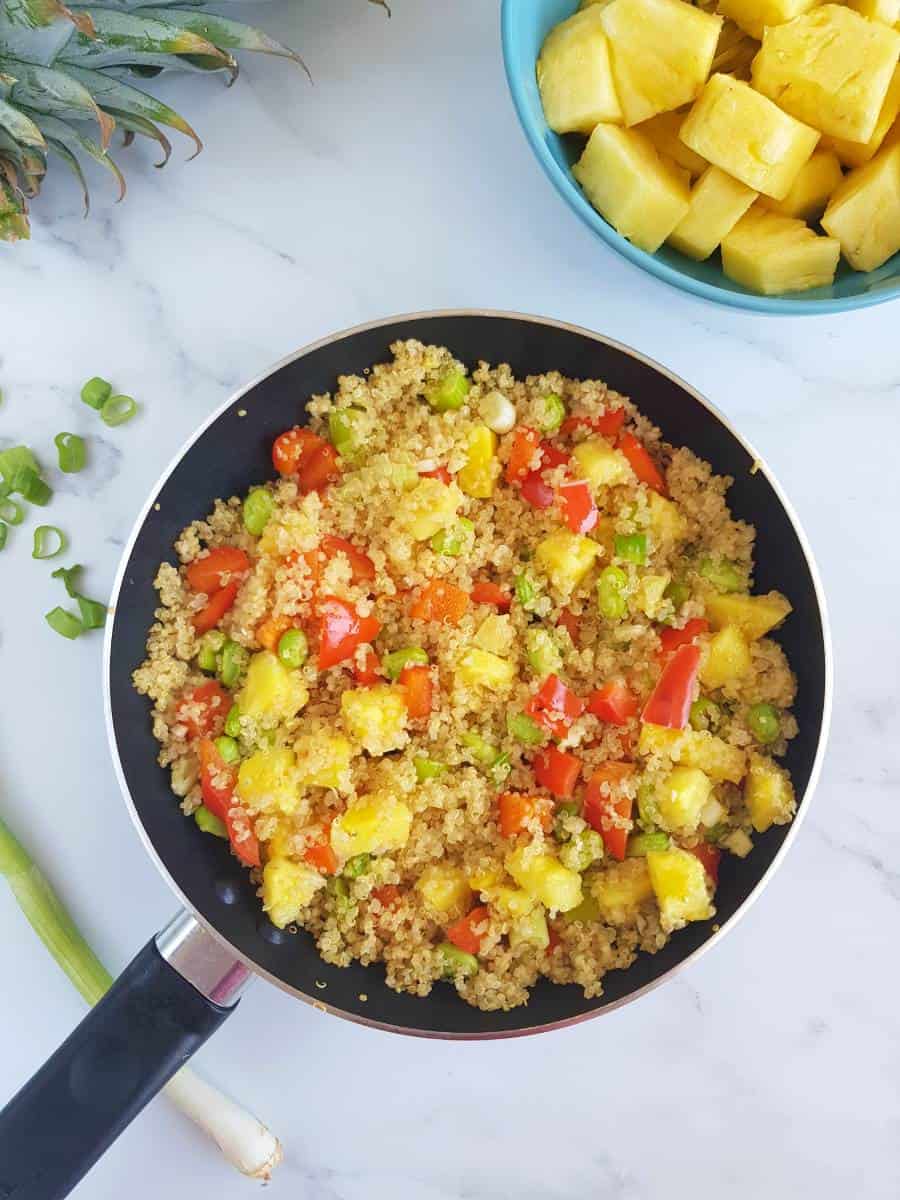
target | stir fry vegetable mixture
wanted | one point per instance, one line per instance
(479, 687)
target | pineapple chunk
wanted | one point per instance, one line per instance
(680, 798)
(855, 154)
(664, 132)
(267, 782)
(650, 592)
(661, 53)
(574, 75)
(287, 888)
(376, 717)
(566, 558)
(480, 668)
(666, 521)
(510, 902)
(371, 825)
(271, 693)
(738, 843)
(809, 193)
(545, 879)
(728, 658)
(531, 930)
(768, 794)
(478, 476)
(748, 136)
(886, 11)
(679, 884)
(864, 211)
(694, 748)
(754, 15)
(323, 760)
(496, 634)
(486, 877)
(428, 508)
(586, 912)
(830, 68)
(771, 254)
(717, 204)
(620, 889)
(278, 844)
(601, 465)
(444, 889)
(629, 184)
(753, 615)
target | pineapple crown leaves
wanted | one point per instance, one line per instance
(67, 68)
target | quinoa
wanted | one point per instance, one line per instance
(383, 824)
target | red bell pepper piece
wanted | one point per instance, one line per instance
(523, 454)
(641, 463)
(341, 630)
(203, 709)
(607, 424)
(517, 811)
(485, 592)
(554, 706)
(578, 507)
(291, 447)
(570, 623)
(670, 639)
(387, 895)
(417, 690)
(710, 856)
(361, 566)
(216, 569)
(217, 783)
(557, 771)
(320, 855)
(440, 601)
(614, 702)
(605, 810)
(466, 933)
(537, 493)
(367, 671)
(440, 473)
(671, 699)
(215, 608)
(318, 468)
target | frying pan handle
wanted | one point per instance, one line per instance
(161, 1009)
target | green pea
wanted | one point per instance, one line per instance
(552, 413)
(455, 540)
(612, 600)
(293, 648)
(582, 849)
(210, 823)
(233, 660)
(524, 729)
(428, 768)
(640, 843)
(356, 866)
(228, 749)
(455, 963)
(409, 656)
(449, 392)
(346, 428)
(208, 654)
(482, 751)
(764, 722)
(632, 547)
(722, 574)
(258, 508)
(96, 392)
(705, 714)
(233, 722)
(542, 651)
(524, 590)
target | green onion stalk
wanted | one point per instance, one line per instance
(246, 1142)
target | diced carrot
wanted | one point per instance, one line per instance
(320, 855)
(417, 690)
(318, 468)
(465, 934)
(440, 601)
(440, 473)
(523, 454)
(270, 631)
(387, 895)
(485, 592)
(517, 811)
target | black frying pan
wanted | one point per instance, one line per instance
(184, 982)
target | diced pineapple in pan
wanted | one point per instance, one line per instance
(661, 52)
(478, 476)
(287, 888)
(680, 798)
(628, 183)
(428, 508)
(768, 794)
(718, 201)
(679, 883)
(376, 717)
(267, 782)
(755, 616)
(772, 254)
(830, 68)
(566, 558)
(444, 888)
(271, 693)
(664, 132)
(481, 668)
(855, 154)
(745, 134)
(886, 11)
(323, 760)
(574, 75)
(754, 15)
(619, 889)
(809, 193)
(694, 748)
(601, 464)
(727, 658)
(545, 879)
(864, 211)
(371, 824)
(531, 930)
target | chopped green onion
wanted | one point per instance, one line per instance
(64, 623)
(524, 729)
(482, 751)
(500, 769)
(524, 589)
(356, 866)
(210, 823)
(632, 547)
(339, 889)
(11, 511)
(258, 508)
(455, 540)
(208, 654)
(233, 659)
(93, 613)
(96, 392)
(293, 648)
(553, 413)
(648, 812)
(678, 593)
(31, 487)
(48, 542)
(117, 410)
(4, 530)
(345, 428)
(764, 723)
(72, 452)
(68, 575)
(13, 459)
(705, 714)
(454, 962)
(722, 574)
(639, 843)
(428, 768)
(409, 656)
(582, 849)
(233, 722)
(449, 392)
(542, 651)
(228, 749)
(611, 593)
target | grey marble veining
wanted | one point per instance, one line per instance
(399, 182)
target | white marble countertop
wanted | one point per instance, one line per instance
(400, 182)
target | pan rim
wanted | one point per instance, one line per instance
(805, 801)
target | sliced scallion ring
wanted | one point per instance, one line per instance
(68, 575)
(93, 613)
(72, 453)
(29, 485)
(64, 623)
(4, 529)
(48, 541)
(117, 410)
(11, 511)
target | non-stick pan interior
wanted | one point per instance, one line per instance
(233, 453)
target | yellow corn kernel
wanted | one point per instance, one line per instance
(478, 476)
(531, 930)
(566, 558)
(544, 878)
(510, 902)
(375, 717)
(768, 794)
(271, 692)
(444, 889)
(727, 658)
(620, 889)
(371, 825)
(287, 888)
(600, 464)
(694, 748)
(679, 884)
(267, 782)
(428, 508)
(480, 668)
(753, 615)
(680, 798)
(323, 760)
(649, 593)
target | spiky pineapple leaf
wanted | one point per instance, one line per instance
(114, 94)
(122, 39)
(20, 127)
(34, 14)
(27, 160)
(46, 90)
(145, 128)
(66, 156)
(224, 33)
(78, 143)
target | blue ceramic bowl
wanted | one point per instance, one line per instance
(525, 24)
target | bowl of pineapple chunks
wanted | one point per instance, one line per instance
(746, 151)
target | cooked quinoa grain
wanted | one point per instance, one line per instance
(520, 742)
